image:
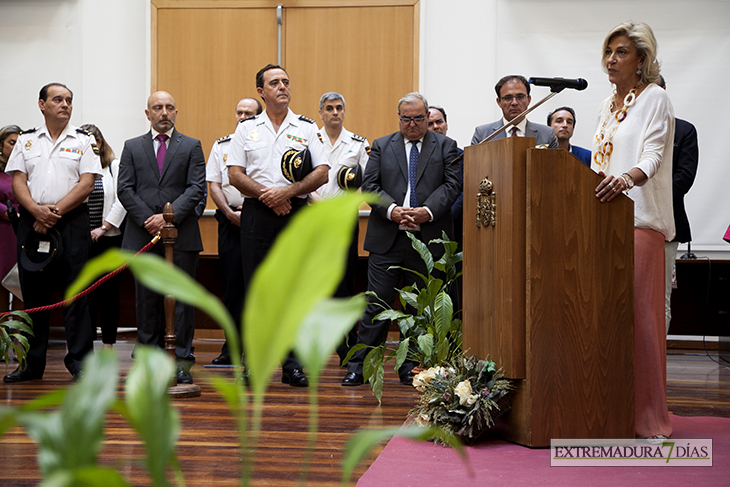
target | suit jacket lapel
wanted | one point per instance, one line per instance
(530, 131)
(149, 150)
(399, 149)
(172, 148)
(427, 147)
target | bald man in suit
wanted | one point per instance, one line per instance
(163, 166)
(412, 171)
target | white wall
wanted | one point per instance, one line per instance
(101, 50)
(467, 45)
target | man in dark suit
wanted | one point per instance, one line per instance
(685, 159)
(163, 166)
(513, 97)
(411, 171)
(562, 121)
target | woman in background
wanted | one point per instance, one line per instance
(633, 150)
(8, 243)
(106, 215)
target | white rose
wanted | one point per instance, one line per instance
(422, 420)
(463, 390)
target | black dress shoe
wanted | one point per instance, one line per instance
(295, 378)
(352, 379)
(183, 376)
(407, 379)
(222, 359)
(22, 376)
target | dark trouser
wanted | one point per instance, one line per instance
(229, 258)
(38, 287)
(384, 281)
(259, 228)
(151, 310)
(104, 301)
(346, 289)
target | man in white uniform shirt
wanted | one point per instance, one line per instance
(255, 168)
(54, 168)
(343, 149)
(229, 201)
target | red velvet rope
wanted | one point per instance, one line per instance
(88, 290)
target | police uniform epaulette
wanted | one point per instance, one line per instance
(358, 138)
(224, 139)
(305, 119)
(247, 119)
(29, 131)
(85, 132)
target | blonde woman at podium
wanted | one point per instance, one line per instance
(633, 150)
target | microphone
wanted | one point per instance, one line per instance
(559, 84)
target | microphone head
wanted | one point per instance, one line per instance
(581, 85)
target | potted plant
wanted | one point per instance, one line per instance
(431, 332)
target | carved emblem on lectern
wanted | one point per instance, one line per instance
(486, 204)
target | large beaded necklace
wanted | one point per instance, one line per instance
(604, 140)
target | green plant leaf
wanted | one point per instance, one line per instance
(353, 351)
(70, 438)
(373, 370)
(409, 298)
(361, 443)
(292, 278)
(155, 273)
(323, 329)
(442, 350)
(443, 314)
(423, 251)
(86, 477)
(149, 410)
(425, 343)
(402, 352)
(390, 314)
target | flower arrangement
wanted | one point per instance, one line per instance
(462, 397)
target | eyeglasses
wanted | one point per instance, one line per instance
(416, 120)
(509, 98)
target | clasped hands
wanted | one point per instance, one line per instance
(277, 198)
(410, 218)
(45, 217)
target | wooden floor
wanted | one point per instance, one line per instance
(208, 447)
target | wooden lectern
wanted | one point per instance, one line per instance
(548, 290)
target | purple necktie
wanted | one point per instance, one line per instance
(514, 132)
(161, 151)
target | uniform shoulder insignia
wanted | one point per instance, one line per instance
(358, 138)
(224, 139)
(29, 131)
(247, 119)
(305, 119)
(367, 150)
(85, 132)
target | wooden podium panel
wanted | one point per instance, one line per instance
(548, 292)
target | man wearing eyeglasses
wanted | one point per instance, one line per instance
(513, 97)
(412, 171)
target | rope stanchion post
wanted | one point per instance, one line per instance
(168, 236)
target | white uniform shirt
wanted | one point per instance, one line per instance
(217, 172)
(258, 148)
(54, 169)
(348, 151)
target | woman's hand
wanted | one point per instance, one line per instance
(610, 187)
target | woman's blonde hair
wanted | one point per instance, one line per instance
(641, 35)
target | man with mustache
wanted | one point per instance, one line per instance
(158, 167)
(255, 169)
(54, 168)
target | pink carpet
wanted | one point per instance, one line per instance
(496, 462)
